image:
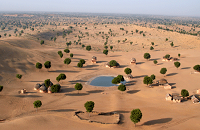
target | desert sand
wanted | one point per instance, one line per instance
(19, 55)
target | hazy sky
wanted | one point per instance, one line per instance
(157, 7)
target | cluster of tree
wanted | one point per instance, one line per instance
(81, 63)
(118, 79)
(60, 54)
(149, 80)
(19, 76)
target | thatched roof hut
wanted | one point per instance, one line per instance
(94, 59)
(37, 86)
(168, 97)
(43, 89)
(194, 99)
(162, 81)
(133, 61)
(177, 99)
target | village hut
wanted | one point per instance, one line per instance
(177, 99)
(43, 89)
(198, 91)
(129, 76)
(23, 91)
(49, 90)
(194, 99)
(107, 65)
(162, 82)
(167, 86)
(133, 61)
(94, 59)
(37, 86)
(168, 97)
(51, 84)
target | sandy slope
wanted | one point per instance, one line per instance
(57, 110)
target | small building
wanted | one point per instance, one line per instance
(94, 59)
(37, 86)
(177, 99)
(167, 86)
(168, 97)
(107, 65)
(49, 90)
(133, 61)
(194, 99)
(23, 91)
(43, 89)
(129, 76)
(198, 91)
(162, 82)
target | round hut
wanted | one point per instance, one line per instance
(37, 86)
(94, 59)
(133, 61)
(162, 82)
(43, 89)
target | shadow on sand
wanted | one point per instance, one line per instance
(63, 110)
(95, 91)
(157, 121)
(171, 74)
(77, 94)
(132, 91)
(60, 71)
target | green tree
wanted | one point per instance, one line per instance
(80, 65)
(67, 50)
(61, 77)
(131, 43)
(83, 46)
(128, 71)
(167, 56)
(54, 39)
(163, 71)
(122, 87)
(113, 63)
(151, 48)
(38, 65)
(155, 62)
(105, 52)
(177, 64)
(118, 41)
(121, 77)
(136, 31)
(60, 54)
(78, 87)
(152, 43)
(47, 65)
(172, 44)
(47, 83)
(5, 34)
(153, 77)
(184, 93)
(147, 56)
(106, 47)
(89, 105)
(19, 76)
(197, 68)
(166, 39)
(179, 55)
(147, 80)
(88, 48)
(55, 88)
(37, 104)
(116, 80)
(67, 61)
(136, 116)
(51, 38)
(71, 55)
(111, 47)
(41, 42)
(82, 61)
(1, 88)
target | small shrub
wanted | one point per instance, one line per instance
(67, 50)
(147, 56)
(177, 64)
(42, 42)
(163, 70)
(67, 61)
(71, 55)
(88, 48)
(38, 65)
(196, 67)
(155, 62)
(105, 52)
(184, 93)
(19, 76)
(153, 77)
(80, 65)
(151, 48)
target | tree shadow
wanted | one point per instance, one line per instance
(76, 81)
(77, 94)
(34, 81)
(138, 63)
(131, 83)
(63, 90)
(121, 111)
(92, 69)
(122, 66)
(132, 91)
(31, 92)
(185, 68)
(63, 110)
(78, 55)
(121, 119)
(90, 66)
(141, 76)
(115, 55)
(155, 59)
(101, 61)
(172, 84)
(160, 64)
(65, 71)
(157, 121)
(30, 96)
(171, 74)
(95, 91)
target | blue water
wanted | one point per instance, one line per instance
(103, 81)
